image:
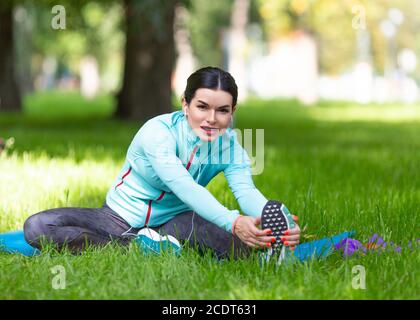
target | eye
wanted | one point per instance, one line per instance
(201, 107)
(224, 110)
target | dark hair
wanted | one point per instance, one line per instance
(211, 78)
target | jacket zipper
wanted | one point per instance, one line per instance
(149, 208)
(122, 178)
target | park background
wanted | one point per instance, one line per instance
(334, 85)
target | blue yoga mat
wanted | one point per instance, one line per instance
(14, 242)
(320, 248)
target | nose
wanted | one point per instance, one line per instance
(211, 118)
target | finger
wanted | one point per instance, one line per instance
(295, 218)
(257, 220)
(252, 230)
(254, 243)
(290, 238)
(266, 233)
(291, 243)
(254, 246)
(293, 231)
(250, 244)
(266, 239)
(258, 233)
(295, 228)
(263, 244)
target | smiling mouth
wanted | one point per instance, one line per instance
(210, 130)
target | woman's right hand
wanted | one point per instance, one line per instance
(246, 229)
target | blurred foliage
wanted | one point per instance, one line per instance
(92, 28)
(97, 28)
(407, 35)
(330, 22)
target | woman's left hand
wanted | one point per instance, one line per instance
(291, 236)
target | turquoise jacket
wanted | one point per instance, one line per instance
(167, 168)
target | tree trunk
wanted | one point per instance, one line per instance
(238, 44)
(22, 33)
(185, 62)
(9, 92)
(149, 59)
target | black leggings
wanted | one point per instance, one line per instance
(76, 227)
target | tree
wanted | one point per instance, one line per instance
(10, 99)
(238, 43)
(23, 45)
(149, 59)
(207, 22)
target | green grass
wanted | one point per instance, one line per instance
(338, 166)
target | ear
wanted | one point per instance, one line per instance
(184, 105)
(233, 109)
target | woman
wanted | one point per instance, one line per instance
(161, 187)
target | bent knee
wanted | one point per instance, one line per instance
(34, 228)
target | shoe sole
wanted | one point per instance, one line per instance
(274, 218)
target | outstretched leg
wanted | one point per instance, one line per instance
(191, 228)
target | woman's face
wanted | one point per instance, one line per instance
(209, 112)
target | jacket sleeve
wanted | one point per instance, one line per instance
(239, 177)
(159, 148)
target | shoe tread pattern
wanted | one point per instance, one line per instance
(275, 219)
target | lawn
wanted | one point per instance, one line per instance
(338, 166)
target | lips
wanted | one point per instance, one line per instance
(209, 130)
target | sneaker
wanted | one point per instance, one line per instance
(151, 241)
(277, 217)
